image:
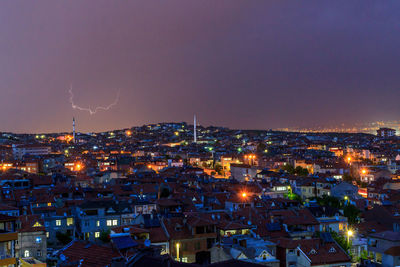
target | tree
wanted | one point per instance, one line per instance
(105, 235)
(341, 240)
(301, 171)
(352, 213)
(329, 201)
(164, 192)
(364, 255)
(347, 178)
(298, 170)
(261, 147)
(63, 238)
(289, 169)
(293, 196)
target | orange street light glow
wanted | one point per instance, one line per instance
(244, 194)
(364, 171)
(78, 167)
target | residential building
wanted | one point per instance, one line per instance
(8, 238)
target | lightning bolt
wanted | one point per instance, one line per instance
(88, 109)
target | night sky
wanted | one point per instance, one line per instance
(241, 64)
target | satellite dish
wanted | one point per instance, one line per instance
(147, 243)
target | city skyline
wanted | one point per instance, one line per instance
(199, 133)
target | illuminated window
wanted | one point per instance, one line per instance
(96, 234)
(38, 239)
(47, 234)
(70, 221)
(115, 222)
(37, 224)
(109, 222)
(49, 204)
(98, 223)
(184, 259)
(26, 254)
(58, 222)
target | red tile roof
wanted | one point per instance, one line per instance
(88, 254)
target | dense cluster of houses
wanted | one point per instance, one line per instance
(151, 196)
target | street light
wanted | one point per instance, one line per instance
(363, 171)
(177, 251)
(78, 167)
(244, 196)
(346, 200)
(349, 234)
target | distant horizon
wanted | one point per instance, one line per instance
(316, 129)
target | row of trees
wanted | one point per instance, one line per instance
(295, 171)
(350, 211)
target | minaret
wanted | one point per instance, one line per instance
(194, 129)
(73, 129)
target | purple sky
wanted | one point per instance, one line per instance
(242, 64)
